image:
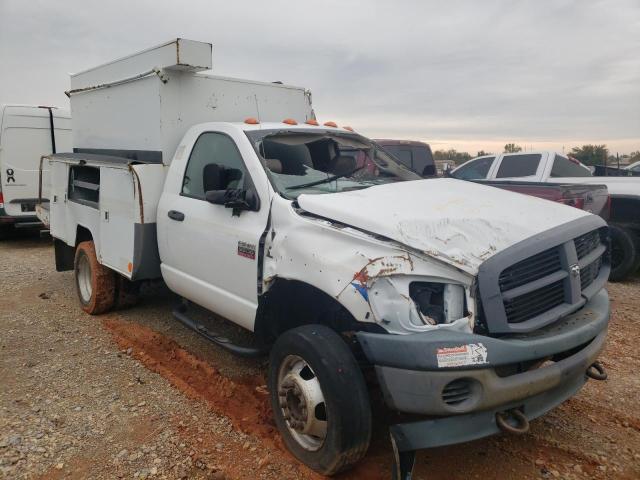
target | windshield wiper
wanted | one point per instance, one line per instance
(326, 180)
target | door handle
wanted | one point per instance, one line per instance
(175, 215)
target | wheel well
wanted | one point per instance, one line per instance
(292, 303)
(65, 254)
(82, 234)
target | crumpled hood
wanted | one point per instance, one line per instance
(459, 222)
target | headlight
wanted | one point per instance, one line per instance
(408, 302)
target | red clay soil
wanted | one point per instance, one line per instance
(245, 401)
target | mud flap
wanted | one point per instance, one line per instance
(403, 460)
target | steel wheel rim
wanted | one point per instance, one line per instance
(84, 279)
(302, 403)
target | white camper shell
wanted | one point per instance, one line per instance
(134, 112)
(141, 106)
(27, 132)
(328, 250)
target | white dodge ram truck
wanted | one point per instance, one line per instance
(554, 167)
(478, 309)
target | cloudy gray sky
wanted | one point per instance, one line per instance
(464, 74)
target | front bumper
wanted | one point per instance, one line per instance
(411, 381)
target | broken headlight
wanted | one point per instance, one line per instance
(410, 303)
(438, 302)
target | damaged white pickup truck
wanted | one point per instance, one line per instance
(477, 309)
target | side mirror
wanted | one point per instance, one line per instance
(234, 198)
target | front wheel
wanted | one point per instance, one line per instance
(319, 399)
(95, 283)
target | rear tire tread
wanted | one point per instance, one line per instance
(103, 281)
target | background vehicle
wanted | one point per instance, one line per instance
(416, 156)
(275, 225)
(609, 171)
(26, 133)
(592, 198)
(554, 167)
(634, 167)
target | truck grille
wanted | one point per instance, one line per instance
(525, 307)
(541, 288)
(587, 243)
(531, 269)
(590, 273)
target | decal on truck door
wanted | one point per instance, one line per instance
(247, 250)
(10, 175)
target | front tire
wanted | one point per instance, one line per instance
(625, 254)
(95, 283)
(319, 399)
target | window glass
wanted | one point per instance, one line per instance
(317, 161)
(563, 167)
(213, 149)
(403, 154)
(519, 165)
(474, 170)
(636, 168)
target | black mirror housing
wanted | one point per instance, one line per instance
(234, 198)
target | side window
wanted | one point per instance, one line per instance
(563, 167)
(401, 154)
(474, 170)
(214, 164)
(519, 165)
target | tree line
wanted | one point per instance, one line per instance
(587, 154)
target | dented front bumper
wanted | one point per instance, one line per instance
(463, 380)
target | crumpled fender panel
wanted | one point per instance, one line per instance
(341, 261)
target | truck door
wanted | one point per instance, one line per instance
(211, 252)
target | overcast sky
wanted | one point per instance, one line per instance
(464, 74)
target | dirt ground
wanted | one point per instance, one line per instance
(133, 394)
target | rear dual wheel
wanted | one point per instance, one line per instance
(99, 288)
(319, 399)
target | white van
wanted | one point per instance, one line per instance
(26, 133)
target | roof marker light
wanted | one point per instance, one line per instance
(312, 122)
(251, 121)
(348, 128)
(330, 124)
(289, 121)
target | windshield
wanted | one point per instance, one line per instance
(315, 162)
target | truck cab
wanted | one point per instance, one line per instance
(414, 155)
